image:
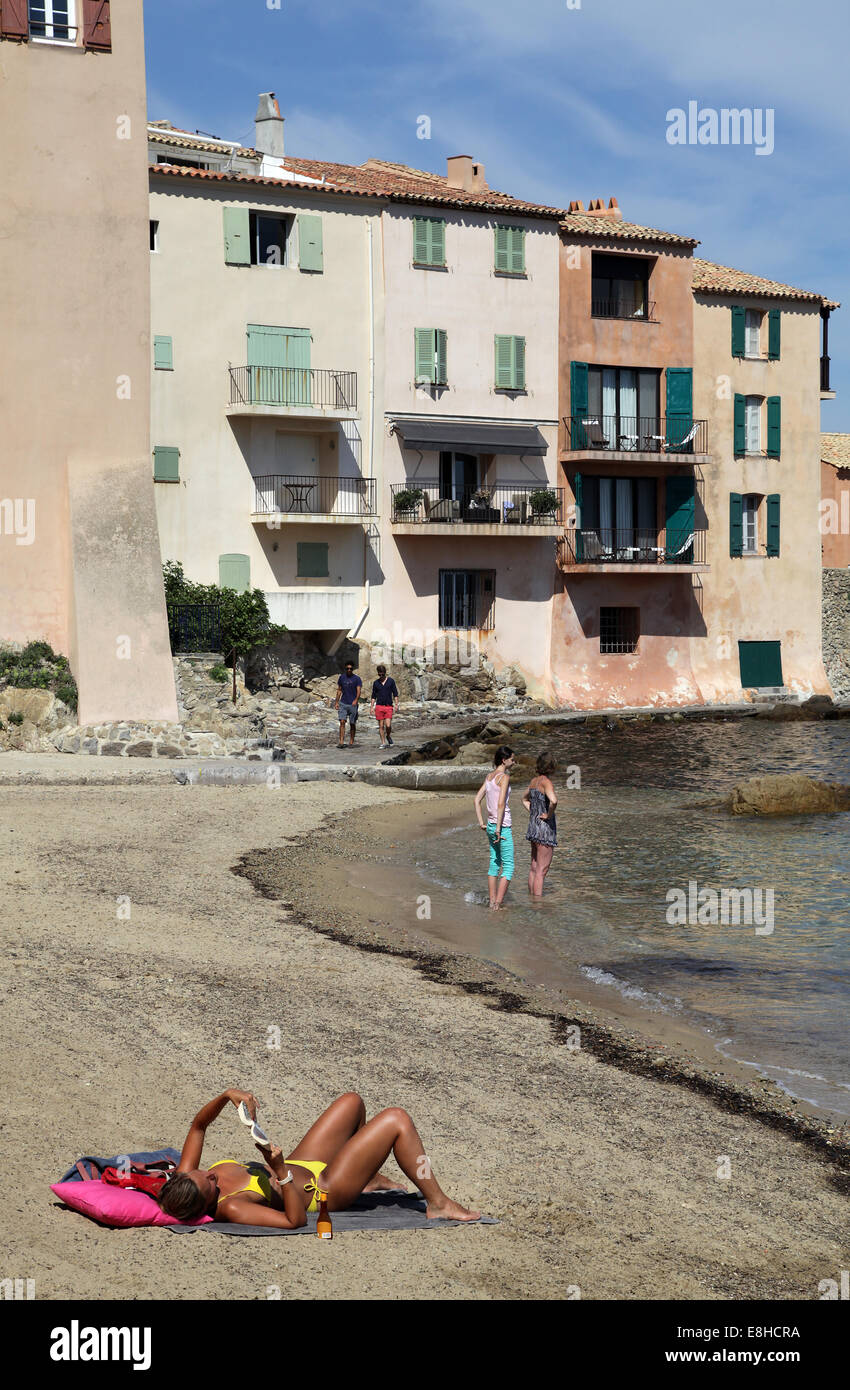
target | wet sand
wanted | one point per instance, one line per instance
(601, 1163)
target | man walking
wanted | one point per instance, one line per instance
(348, 691)
(384, 703)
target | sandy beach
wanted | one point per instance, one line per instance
(603, 1176)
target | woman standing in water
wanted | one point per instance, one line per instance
(496, 790)
(540, 802)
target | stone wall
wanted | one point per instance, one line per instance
(836, 631)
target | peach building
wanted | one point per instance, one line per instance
(80, 555)
(690, 402)
(835, 501)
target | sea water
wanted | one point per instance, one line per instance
(640, 825)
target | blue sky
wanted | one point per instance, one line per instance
(558, 103)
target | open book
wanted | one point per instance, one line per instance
(258, 1135)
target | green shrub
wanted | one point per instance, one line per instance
(16, 717)
(38, 667)
(219, 673)
(67, 693)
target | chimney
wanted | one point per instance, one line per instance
(464, 172)
(268, 124)
(596, 207)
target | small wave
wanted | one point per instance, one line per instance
(602, 977)
(479, 898)
(775, 1073)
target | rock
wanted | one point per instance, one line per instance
(113, 750)
(167, 750)
(476, 754)
(37, 706)
(140, 750)
(788, 794)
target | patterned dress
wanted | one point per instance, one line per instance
(541, 832)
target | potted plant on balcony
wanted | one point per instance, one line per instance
(544, 503)
(406, 503)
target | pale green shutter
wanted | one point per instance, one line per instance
(503, 248)
(519, 364)
(312, 560)
(517, 255)
(237, 236)
(310, 249)
(234, 572)
(438, 241)
(421, 241)
(163, 354)
(166, 464)
(442, 340)
(504, 362)
(424, 354)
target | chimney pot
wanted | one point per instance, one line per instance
(268, 124)
(462, 171)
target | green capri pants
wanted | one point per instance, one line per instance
(501, 852)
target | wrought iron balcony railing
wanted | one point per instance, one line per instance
(317, 496)
(645, 434)
(632, 545)
(493, 504)
(623, 309)
(293, 386)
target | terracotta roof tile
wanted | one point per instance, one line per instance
(722, 279)
(835, 449)
(586, 224)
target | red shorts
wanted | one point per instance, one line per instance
(383, 711)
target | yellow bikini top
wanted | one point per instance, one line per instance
(258, 1180)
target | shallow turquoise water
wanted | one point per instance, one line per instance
(635, 830)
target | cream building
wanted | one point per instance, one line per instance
(79, 562)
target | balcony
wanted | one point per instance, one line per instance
(636, 439)
(319, 500)
(643, 311)
(626, 550)
(498, 509)
(293, 391)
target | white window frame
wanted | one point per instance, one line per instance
(751, 503)
(290, 248)
(49, 22)
(752, 421)
(752, 333)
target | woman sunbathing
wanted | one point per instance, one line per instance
(341, 1154)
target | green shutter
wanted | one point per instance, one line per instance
(774, 426)
(442, 339)
(234, 572)
(163, 354)
(312, 560)
(166, 464)
(577, 491)
(503, 248)
(237, 236)
(424, 354)
(517, 256)
(740, 424)
(736, 524)
(438, 241)
(680, 409)
(310, 251)
(504, 362)
(761, 664)
(773, 524)
(519, 363)
(578, 404)
(421, 241)
(679, 517)
(774, 322)
(739, 325)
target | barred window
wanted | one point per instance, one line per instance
(618, 629)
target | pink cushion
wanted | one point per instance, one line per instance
(116, 1206)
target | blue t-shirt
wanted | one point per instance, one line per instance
(349, 685)
(384, 691)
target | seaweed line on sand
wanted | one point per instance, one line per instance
(627, 1052)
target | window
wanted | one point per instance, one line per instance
(750, 523)
(752, 333)
(166, 464)
(430, 356)
(163, 354)
(312, 560)
(625, 402)
(618, 630)
(269, 238)
(619, 287)
(753, 424)
(154, 235)
(429, 241)
(458, 475)
(510, 363)
(466, 599)
(52, 19)
(619, 518)
(510, 250)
